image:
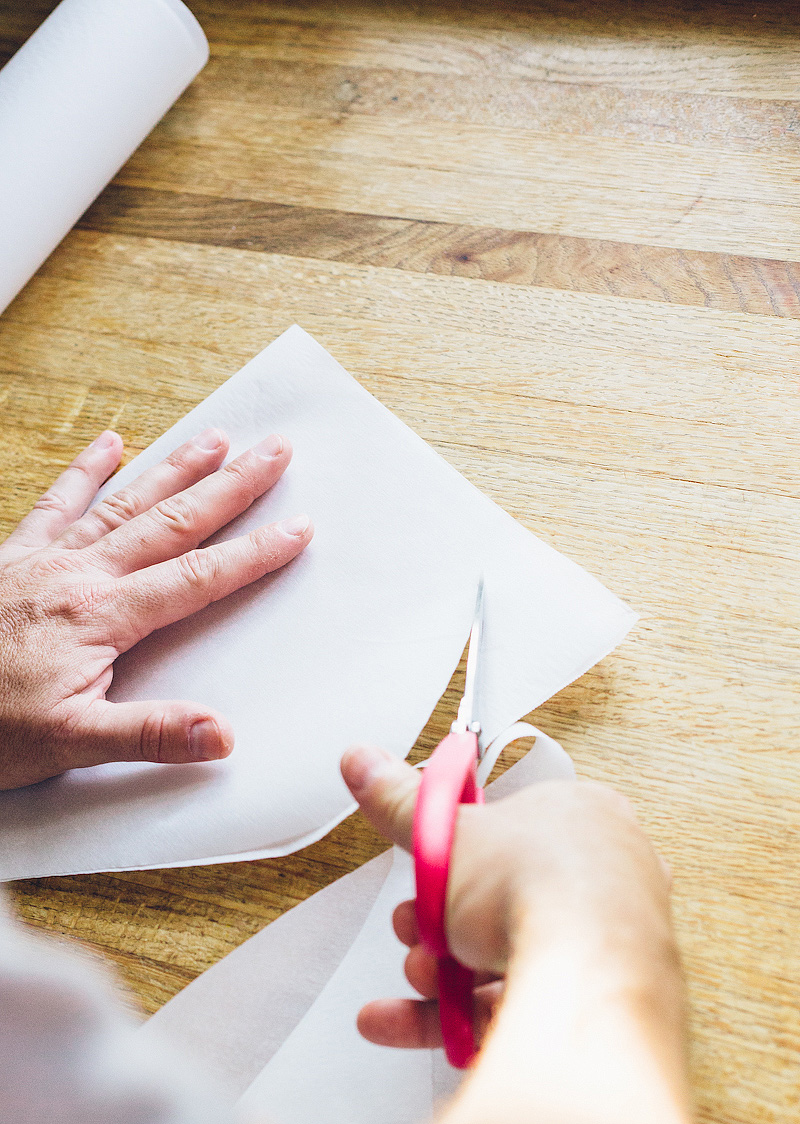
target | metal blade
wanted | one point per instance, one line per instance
(467, 719)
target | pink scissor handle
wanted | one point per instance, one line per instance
(448, 780)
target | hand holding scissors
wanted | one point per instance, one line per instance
(448, 780)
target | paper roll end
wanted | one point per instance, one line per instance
(193, 28)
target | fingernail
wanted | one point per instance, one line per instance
(205, 744)
(297, 525)
(209, 439)
(106, 439)
(362, 765)
(270, 447)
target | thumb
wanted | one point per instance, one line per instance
(385, 788)
(170, 733)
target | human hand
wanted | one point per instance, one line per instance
(77, 590)
(556, 862)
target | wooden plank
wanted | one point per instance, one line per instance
(287, 288)
(722, 281)
(711, 48)
(510, 101)
(582, 187)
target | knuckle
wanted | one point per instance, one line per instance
(198, 569)
(116, 509)
(242, 474)
(86, 601)
(610, 798)
(180, 458)
(623, 805)
(153, 739)
(264, 545)
(82, 466)
(48, 567)
(53, 569)
(52, 501)
(398, 801)
(185, 457)
(178, 514)
(599, 803)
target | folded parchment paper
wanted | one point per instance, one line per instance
(76, 100)
(273, 1023)
(354, 641)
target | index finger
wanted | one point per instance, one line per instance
(160, 595)
(181, 521)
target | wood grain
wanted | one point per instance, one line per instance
(561, 242)
(731, 203)
(586, 265)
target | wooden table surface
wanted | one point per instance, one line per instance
(560, 240)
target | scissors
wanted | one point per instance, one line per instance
(448, 780)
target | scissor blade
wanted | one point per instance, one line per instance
(467, 718)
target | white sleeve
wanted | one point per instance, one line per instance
(69, 1051)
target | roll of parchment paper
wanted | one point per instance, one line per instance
(75, 102)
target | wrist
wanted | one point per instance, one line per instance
(625, 924)
(594, 1012)
(585, 1035)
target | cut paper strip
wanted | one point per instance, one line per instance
(76, 100)
(273, 1023)
(354, 641)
